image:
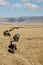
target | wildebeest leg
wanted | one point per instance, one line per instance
(8, 34)
(15, 47)
(17, 39)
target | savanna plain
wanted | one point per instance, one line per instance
(29, 48)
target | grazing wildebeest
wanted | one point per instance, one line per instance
(6, 33)
(12, 47)
(16, 37)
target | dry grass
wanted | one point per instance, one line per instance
(29, 48)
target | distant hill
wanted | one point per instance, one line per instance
(34, 19)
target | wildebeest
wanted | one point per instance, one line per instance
(12, 47)
(6, 33)
(16, 37)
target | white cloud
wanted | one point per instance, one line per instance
(24, 1)
(4, 2)
(17, 6)
(9, 5)
(30, 6)
(26, 4)
(14, 6)
(38, 0)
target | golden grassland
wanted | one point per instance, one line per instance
(29, 48)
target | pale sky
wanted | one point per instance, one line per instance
(17, 8)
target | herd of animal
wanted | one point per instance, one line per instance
(12, 47)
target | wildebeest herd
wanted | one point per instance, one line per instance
(12, 47)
